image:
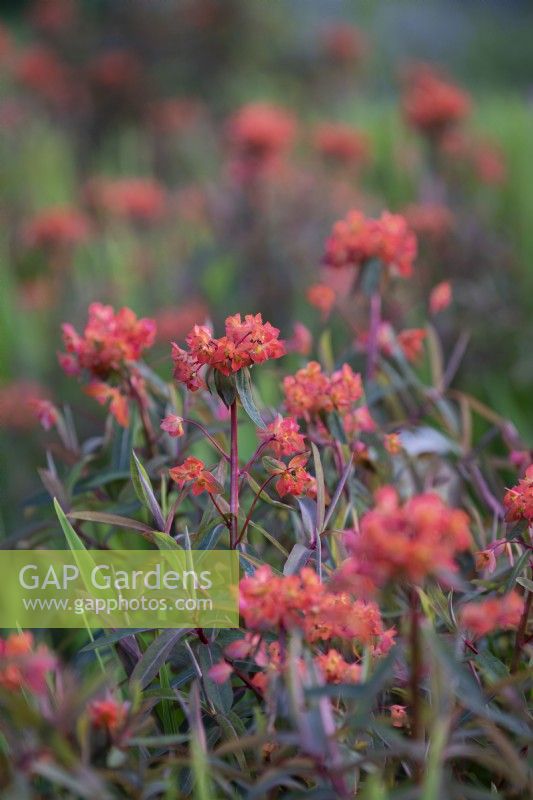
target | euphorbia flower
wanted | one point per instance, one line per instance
(321, 296)
(357, 239)
(138, 200)
(294, 479)
(431, 103)
(108, 713)
(301, 341)
(310, 392)
(408, 542)
(398, 715)
(118, 402)
(518, 501)
(440, 297)
(220, 672)
(411, 342)
(247, 342)
(259, 134)
(56, 227)
(45, 411)
(23, 666)
(495, 613)
(193, 470)
(110, 339)
(341, 143)
(283, 437)
(335, 669)
(173, 425)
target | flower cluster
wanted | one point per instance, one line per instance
(260, 133)
(407, 542)
(293, 477)
(310, 392)
(110, 339)
(493, 614)
(247, 342)
(24, 666)
(321, 296)
(518, 501)
(193, 471)
(358, 239)
(282, 436)
(55, 228)
(302, 601)
(341, 144)
(139, 200)
(431, 103)
(108, 714)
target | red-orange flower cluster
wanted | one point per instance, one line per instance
(24, 666)
(302, 601)
(283, 436)
(493, 614)
(408, 542)
(139, 200)
(518, 501)
(431, 103)
(311, 392)
(110, 339)
(357, 239)
(56, 227)
(247, 342)
(193, 471)
(341, 144)
(260, 133)
(108, 714)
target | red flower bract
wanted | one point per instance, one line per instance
(431, 104)
(408, 542)
(341, 143)
(247, 342)
(110, 339)
(518, 501)
(358, 239)
(193, 470)
(310, 391)
(56, 227)
(492, 614)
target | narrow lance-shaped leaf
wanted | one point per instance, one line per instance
(244, 386)
(144, 491)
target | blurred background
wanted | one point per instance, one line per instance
(188, 158)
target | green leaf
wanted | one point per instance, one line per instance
(320, 490)
(219, 694)
(144, 491)
(73, 540)
(155, 656)
(244, 386)
(298, 558)
(225, 386)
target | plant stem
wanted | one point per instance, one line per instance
(373, 334)
(254, 502)
(149, 434)
(234, 477)
(521, 632)
(416, 674)
(208, 436)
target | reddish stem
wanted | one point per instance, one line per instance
(234, 477)
(254, 502)
(373, 334)
(416, 673)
